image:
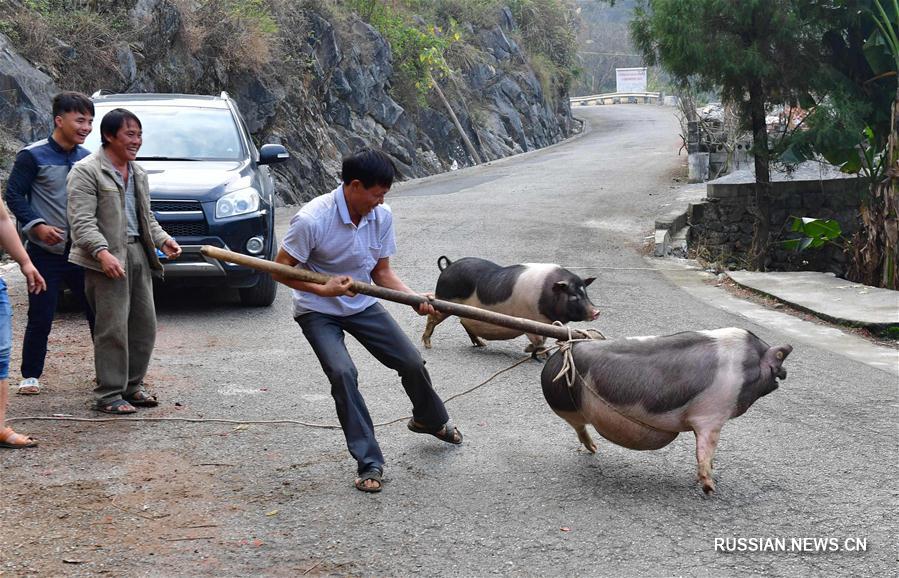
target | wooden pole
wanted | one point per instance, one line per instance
(447, 307)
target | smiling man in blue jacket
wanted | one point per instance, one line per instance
(36, 195)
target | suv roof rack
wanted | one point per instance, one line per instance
(152, 96)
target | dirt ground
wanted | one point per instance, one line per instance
(162, 505)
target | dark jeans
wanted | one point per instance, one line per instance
(56, 271)
(376, 330)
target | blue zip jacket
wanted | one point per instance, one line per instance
(36, 191)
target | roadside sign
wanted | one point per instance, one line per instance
(630, 79)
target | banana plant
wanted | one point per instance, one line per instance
(814, 233)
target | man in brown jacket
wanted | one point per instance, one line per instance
(115, 237)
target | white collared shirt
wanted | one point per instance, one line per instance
(323, 238)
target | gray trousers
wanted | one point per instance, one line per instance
(124, 328)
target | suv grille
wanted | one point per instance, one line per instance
(193, 229)
(175, 206)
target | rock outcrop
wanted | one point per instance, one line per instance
(26, 95)
(326, 92)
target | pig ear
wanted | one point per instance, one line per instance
(589, 280)
(560, 286)
(783, 351)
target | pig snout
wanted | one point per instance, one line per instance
(588, 312)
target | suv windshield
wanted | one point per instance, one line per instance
(191, 133)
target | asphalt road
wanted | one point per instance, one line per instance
(815, 459)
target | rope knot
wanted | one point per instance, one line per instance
(565, 347)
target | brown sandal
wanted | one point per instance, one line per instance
(117, 407)
(15, 441)
(373, 475)
(447, 432)
(142, 398)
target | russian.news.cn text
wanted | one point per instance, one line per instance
(810, 545)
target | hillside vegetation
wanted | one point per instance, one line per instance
(418, 78)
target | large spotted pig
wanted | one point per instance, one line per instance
(641, 392)
(537, 291)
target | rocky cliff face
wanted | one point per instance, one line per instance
(325, 90)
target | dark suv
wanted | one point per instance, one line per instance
(209, 185)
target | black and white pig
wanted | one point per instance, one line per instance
(641, 392)
(537, 291)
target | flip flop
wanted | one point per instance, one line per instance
(29, 386)
(11, 440)
(372, 474)
(447, 432)
(118, 407)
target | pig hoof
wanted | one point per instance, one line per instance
(586, 440)
(708, 487)
(538, 353)
(426, 343)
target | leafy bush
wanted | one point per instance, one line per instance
(425, 34)
(479, 13)
(814, 233)
(417, 52)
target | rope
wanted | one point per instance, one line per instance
(569, 370)
(58, 417)
(560, 344)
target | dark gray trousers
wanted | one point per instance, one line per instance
(377, 331)
(124, 327)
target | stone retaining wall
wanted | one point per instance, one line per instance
(721, 225)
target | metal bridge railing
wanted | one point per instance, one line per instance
(617, 98)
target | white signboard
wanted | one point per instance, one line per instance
(630, 79)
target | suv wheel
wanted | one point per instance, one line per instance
(262, 294)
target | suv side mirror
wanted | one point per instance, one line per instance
(272, 153)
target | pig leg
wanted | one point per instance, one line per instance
(706, 442)
(576, 421)
(536, 348)
(433, 321)
(475, 340)
(584, 436)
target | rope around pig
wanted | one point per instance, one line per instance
(569, 370)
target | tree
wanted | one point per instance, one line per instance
(745, 48)
(838, 59)
(853, 122)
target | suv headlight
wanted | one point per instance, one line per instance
(237, 203)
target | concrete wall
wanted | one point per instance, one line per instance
(721, 226)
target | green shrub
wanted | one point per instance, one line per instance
(417, 53)
(255, 14)
(547, 35)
